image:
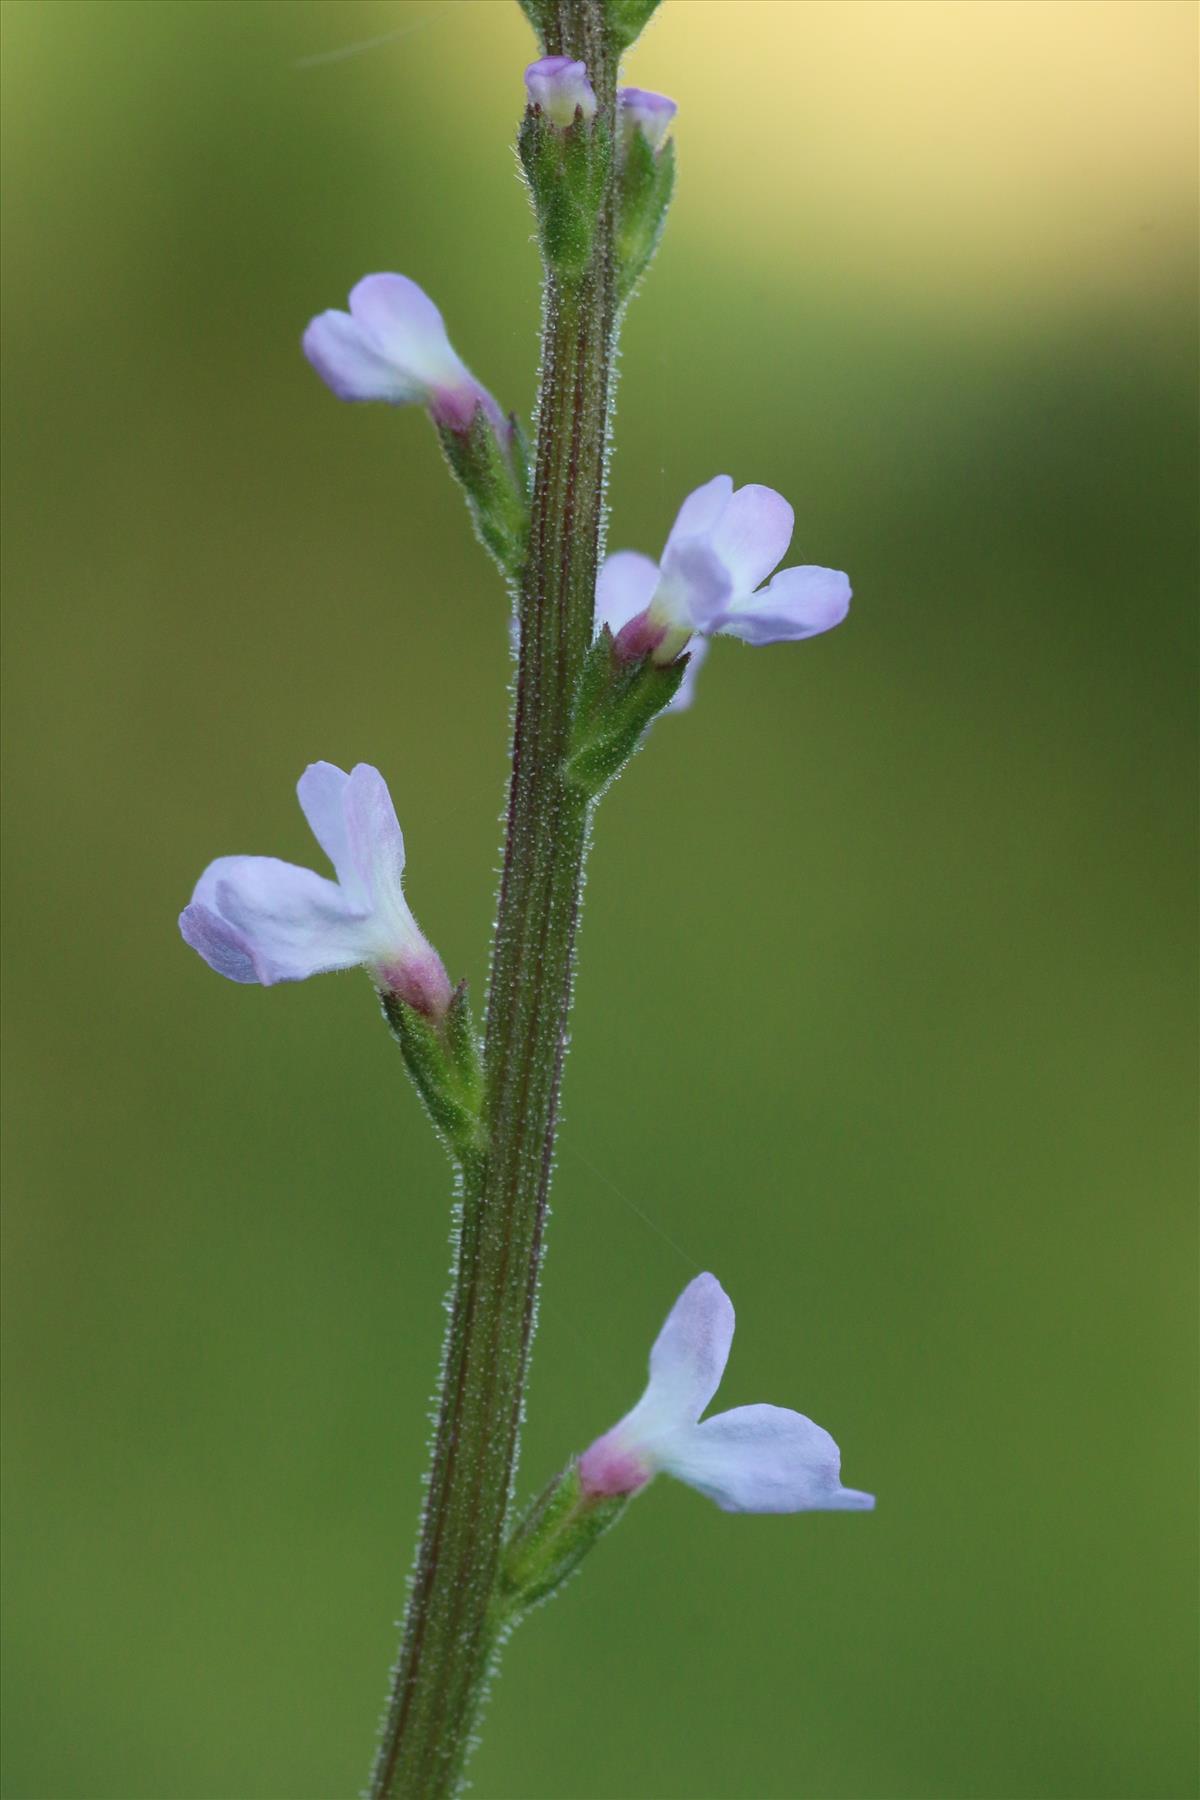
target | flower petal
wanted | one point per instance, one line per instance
(624, 588)
(752, 534)
(686, 1364)
(321, 791)
(696, 591)
(400, 320)
(376, 843)
(700, 511)
(292, 922)
(799, 603)
(349, 364)
(222, 947)
(402, 323)
(763, 1459)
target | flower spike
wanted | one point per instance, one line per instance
(254, 918)
(722, 545)
(763, 1459)
(392, 346)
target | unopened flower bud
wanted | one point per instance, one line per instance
(640, 110)
(560, 87)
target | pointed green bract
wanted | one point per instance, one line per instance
(627, 19)
(446, 1069)
(567, 171)
(616, 702)
(495, 480)
(548, 1544)
(645, 183)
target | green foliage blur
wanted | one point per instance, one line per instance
(885, 1005)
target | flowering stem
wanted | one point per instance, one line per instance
(450, 1631)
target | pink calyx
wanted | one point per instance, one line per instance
(421, 982)
(609, 1469)
(641, 637)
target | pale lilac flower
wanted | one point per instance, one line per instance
(722, 545)
(753, 1459)
(392, 346)
(558, 86)
(640, 110)
(254, 918)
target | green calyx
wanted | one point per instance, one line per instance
(645, 182)
(495, 479)
(625, 21)
(615, 703)
(444, 1062)
(567, 171)
(548, 1544)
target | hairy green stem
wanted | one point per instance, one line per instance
(450, 1634)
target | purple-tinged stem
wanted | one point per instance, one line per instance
(450, 1635)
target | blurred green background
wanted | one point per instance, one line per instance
(885, 1004)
